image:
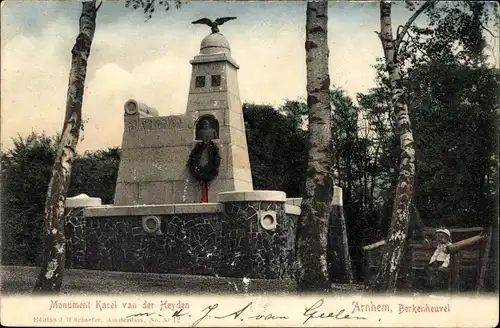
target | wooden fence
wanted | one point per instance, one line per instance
(471, 260)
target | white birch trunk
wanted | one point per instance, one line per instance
(312, 231)
(51, 272)
(390, 265)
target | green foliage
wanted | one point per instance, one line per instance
(452, 96)
(26, 173)
(149, 6)
(455, 32)
(296, 113)
(277, 146)
(455, 123)
(358, 139)
(95, 174)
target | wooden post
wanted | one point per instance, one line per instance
(465, 243)
(484, 261)
(455, 272)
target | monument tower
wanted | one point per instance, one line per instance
(155, 150)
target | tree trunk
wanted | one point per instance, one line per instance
(51, 272)
(312, 230)
(374, 172)
(365, 177)
(392, 258)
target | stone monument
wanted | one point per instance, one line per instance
(184, 201)
(155, 149)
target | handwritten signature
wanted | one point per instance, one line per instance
(312, 312)
(236, 314)
(214, 312)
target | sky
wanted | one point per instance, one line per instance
(149, 60)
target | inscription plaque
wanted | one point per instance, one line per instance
(208, 103)
(157, 123)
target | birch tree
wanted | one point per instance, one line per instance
(51, 273)
(312, 231)
(390, 265)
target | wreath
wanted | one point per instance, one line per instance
(209, 171)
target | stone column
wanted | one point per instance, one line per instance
(258, 237)
(75, 230)
(339, 259)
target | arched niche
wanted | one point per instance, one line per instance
(207, 126)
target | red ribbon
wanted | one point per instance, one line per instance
(204, 191)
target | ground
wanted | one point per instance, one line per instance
(20, 280)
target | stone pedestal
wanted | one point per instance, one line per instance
(75, 230)
(339, 259)
(248, 234)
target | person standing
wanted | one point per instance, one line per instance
(438, 266)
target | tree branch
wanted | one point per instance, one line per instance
(414, 45)
(98, 6)
(410, 21)
(398, 30)
(488, 30)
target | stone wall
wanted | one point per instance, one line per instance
(253, 251)
(220, 239)
(246, 234)
(261, 229)
(187, 244)
(76, 242)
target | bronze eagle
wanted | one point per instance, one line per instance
(214, 24)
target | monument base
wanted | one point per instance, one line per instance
(245, 234)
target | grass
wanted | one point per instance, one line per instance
(20, 280)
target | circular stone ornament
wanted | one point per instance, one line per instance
(268, 220)
(151, 224)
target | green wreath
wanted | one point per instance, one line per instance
(209, 171)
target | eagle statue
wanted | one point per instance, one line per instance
(214, 24)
